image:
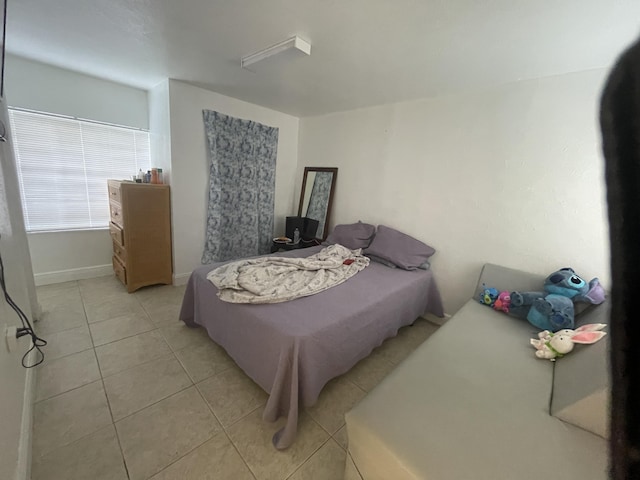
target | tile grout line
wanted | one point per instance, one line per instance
(168, 355)
(224, 430)
(193, 383)
(165, 398)
(329, 437)
(124, 338)
(192, 329)
(233, 444)
(181, 457)
(69, 354)
(116, 317)
(357, 386)
(58, 447)
(320, 425)
(189, 375)
(104, 389)
(101, 380)
(66, 391)
(164, 356)
(134, 302)
(221, 432)
(154, 403)
(83, 303)
(339, 444)
(61, 331)
(309, 458)
(70, 389)
(332, 435)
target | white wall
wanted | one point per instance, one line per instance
(62, 256)
(16, 390)
(512, 176)
(160, 129)
(190, 169)
(65, 256)
(46, 88)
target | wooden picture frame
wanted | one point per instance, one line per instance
(307, 170)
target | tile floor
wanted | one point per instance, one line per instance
(128, 392)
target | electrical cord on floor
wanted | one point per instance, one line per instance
(27, 328)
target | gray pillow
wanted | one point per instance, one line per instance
(384, 262)
(353, 235)
(399, 248)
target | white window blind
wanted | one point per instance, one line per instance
(63, 167)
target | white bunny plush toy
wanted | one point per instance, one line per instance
(555, 345)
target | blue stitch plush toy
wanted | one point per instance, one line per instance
(553, 309)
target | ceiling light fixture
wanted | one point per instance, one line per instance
(291, 43)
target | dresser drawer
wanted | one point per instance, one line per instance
(119, 269)
(120, 252)
(117, 235)
(114, 193)
(116, 213)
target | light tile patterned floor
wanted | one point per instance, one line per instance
(128, 392)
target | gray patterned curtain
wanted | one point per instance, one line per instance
(242, 167)
(319, 199)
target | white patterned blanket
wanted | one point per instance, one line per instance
(280, 279)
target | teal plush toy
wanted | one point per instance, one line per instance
(487, 295)
(553, 309)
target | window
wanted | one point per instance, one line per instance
(63, 166)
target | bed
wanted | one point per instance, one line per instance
(293, 349)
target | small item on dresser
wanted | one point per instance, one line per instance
(147, 177)
(296, 236)
(140, 178)
(154, 176)
(160, 177)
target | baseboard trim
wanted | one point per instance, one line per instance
(23, 470)
(60, 276)
(181, 278)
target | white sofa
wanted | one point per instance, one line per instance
(473, 403)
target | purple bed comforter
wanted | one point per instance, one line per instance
(293, 349)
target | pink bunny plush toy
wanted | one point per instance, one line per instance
(556, 345)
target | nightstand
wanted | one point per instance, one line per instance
(294, 246)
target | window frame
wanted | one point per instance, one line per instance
(81, 120)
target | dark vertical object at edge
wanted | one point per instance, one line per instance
(620, 122)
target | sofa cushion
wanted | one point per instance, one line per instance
(509, 279)
(472, 402)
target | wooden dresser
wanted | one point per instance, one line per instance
(141, 233)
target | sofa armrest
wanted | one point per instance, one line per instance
(581, 380)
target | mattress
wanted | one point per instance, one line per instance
(472, 402)
(293, 349)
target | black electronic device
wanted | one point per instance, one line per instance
(292, 224)
(307, 227)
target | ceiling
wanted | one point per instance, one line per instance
(364, 52)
